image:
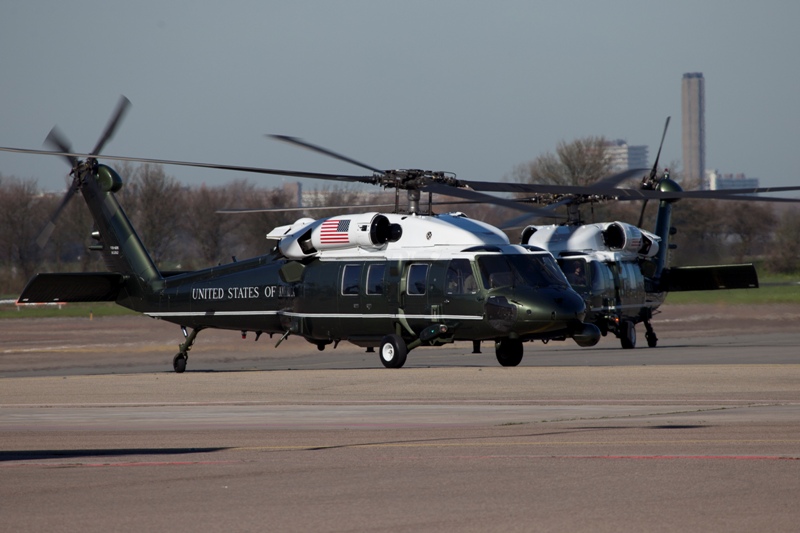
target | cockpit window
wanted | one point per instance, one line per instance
(535, 270)
(459, 278)
(576, 271)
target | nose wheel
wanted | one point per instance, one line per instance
(509, 352)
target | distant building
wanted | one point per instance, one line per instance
(717, 181)
(294, 191)
(623, 156)
(693, 127)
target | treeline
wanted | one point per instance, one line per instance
(179, 225)
(181, 228)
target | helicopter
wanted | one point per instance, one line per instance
(392, 281)
(621, 269)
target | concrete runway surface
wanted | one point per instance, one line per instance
(699, 434)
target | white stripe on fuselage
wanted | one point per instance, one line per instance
(313, 315)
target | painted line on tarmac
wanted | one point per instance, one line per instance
(321, 447)
(71, 464)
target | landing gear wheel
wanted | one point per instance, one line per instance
(393, 351)
(509, 352)
(179, 362)
(627, 335)
(652, 340)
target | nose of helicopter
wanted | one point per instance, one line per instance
(531, 311)
(559, 306)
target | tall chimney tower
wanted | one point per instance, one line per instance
(693, 124)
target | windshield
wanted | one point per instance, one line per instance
(534, 270)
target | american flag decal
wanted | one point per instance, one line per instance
(334, 232)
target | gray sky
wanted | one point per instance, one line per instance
(474, 88)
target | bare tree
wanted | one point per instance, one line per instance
(156, 204)
(580, 162)
(210, 230)
(251, 229)
(22, 216)
(700, 233)
(751, 223)
(785, 256)
(72, 236)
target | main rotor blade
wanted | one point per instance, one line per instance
(626, 194)
(44, 236)
(255, 170)
(615, 179)
(523, 219)
(484, 198)
(232, 211)
(245, 210)
(324, 151)
(654, 170)
(119, 112)
(746, 190)
(641, 214)
(485, 186)
(688, 195)
(58, 140)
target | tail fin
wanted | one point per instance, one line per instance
(663, 230)
(122, 248)
(664, 223)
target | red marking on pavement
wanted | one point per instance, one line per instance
(692, 457)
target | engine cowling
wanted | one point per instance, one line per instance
(367, 230)
(346, 231)
(622, 237)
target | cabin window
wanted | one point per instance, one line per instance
(417, 275)
(460, 279)
(351, 275)
(533, 270)
(375, 279)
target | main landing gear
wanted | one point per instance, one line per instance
(180, 359)
(394, 350)
(627, 334)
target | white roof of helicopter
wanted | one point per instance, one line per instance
(423, 236)
(590, 239)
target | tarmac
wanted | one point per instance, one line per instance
(701, 433)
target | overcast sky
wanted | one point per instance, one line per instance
(474, 88)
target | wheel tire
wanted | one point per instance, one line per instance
(179, 363)
(393, 351)
(627, 336)
(509, 352)
(652, 340)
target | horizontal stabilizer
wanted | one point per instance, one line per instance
(709, 278)
(73, 287)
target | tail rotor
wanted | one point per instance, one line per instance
(56, 139)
